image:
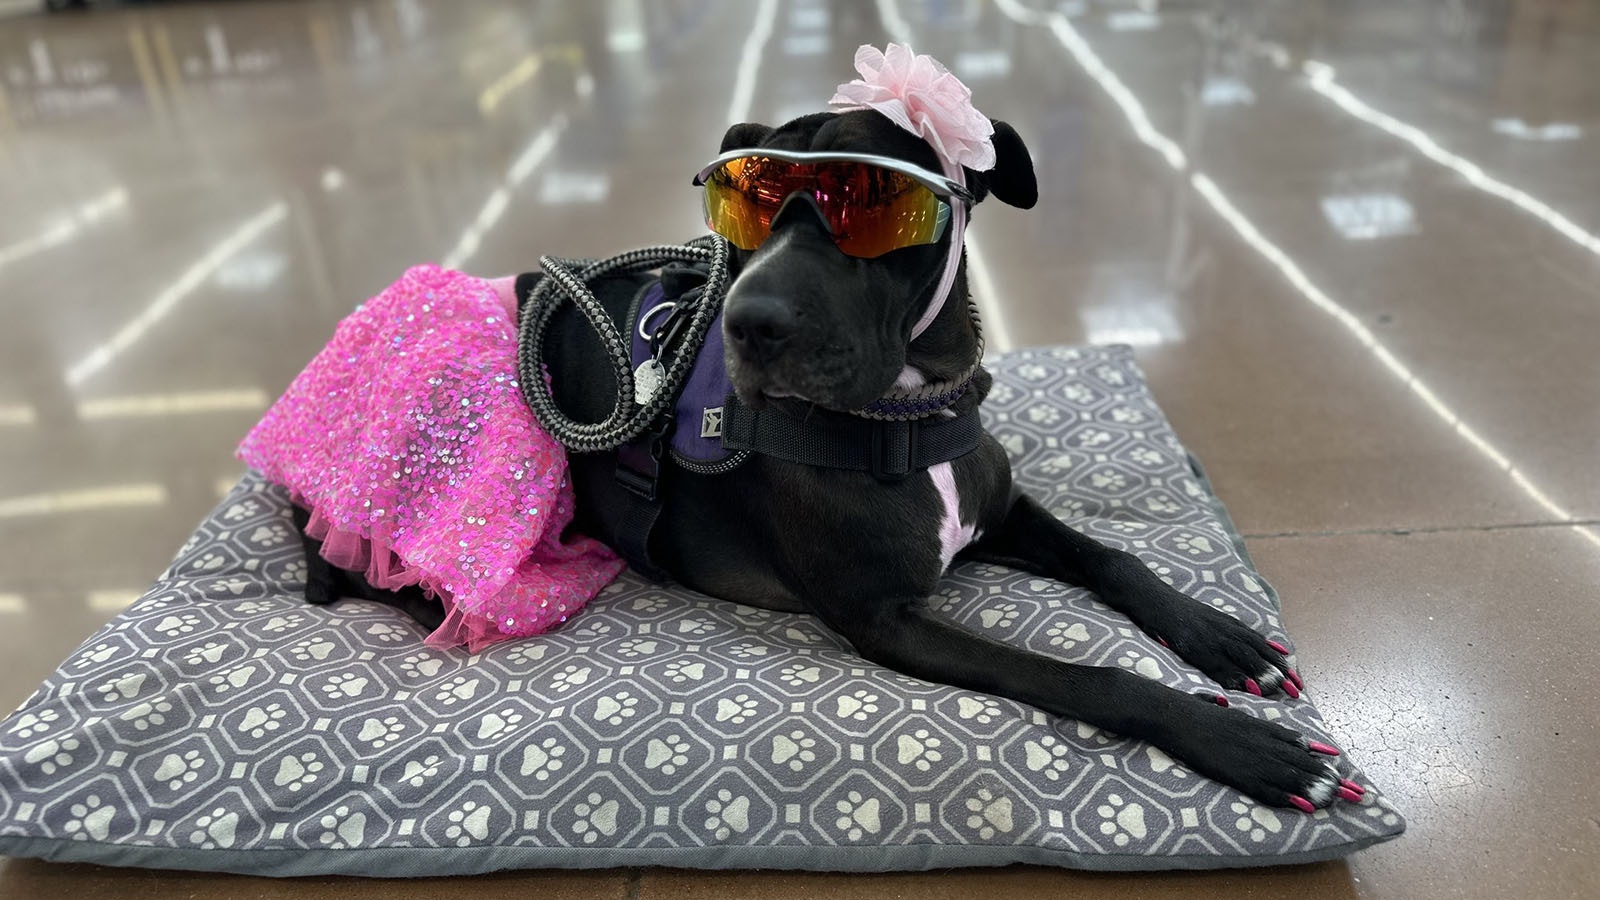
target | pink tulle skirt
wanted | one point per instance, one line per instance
(408, 440)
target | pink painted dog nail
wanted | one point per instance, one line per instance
(1302, 804)
(1290, 689)
(1221, 700)
(1163, 642)
(1295, 677)
(1278, 647)
(1351, 796)
(1251, 686)
(1319, 747)
(1349, 785)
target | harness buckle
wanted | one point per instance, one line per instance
(639, 462)
(894, 449)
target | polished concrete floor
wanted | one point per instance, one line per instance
(1356, 243)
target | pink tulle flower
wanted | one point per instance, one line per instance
(920, 95)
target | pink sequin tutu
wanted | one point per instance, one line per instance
(408, 439)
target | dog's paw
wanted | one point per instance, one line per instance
(1266, 761)
(1230, 652)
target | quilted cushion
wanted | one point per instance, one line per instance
(220, 723)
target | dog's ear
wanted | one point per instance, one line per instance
(745, 134)
(1011, 180)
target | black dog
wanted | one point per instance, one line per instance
(813, 333)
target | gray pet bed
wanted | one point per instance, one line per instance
(222, 724)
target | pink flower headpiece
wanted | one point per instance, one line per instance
(920, 95)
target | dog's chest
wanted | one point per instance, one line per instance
(953, 533)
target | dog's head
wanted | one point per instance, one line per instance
(805, 321)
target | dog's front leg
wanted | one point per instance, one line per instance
(1266, 761)
(1214, 642)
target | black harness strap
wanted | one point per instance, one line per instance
(889, 450)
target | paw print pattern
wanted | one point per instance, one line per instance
(344, 686)
(1144, 665)
(615, 708)
(858, 816)
(1108, 480)
(208, 563)
(280, 624)
(919, 749)
(1044, 415)
(498, 724)
(596, 817)
(682, 670)
(1066, 636)
(525, 653)
(988, 814)
(739, 710)
(727, 814)
(543, 759)
(209, 653)
(978, 709)
(121, 687)
(1161, 505)
(637, 647)
(1090, 438)
(1127, 415)
(244, 509)
(30, 724)
(1121, 821)
(179, 770)
(668, 755)
(649, 604)
(1145, 456)
(295, 572)
(380, 733)
(342, 829)
(1194, 544)
(457, 690)
(695, 627)
(749, 650)
(95, 655)
(231, 679)
(216, 829)
(1047, 756)
(1255, 821)
(312, 650)
(1002, 616)
(418, 772)
(859, 705)
(252, 607)
(1057, 464)
(569, 678)
(467, 824)
(148, 714)
(424, 665)
(260, 721)
(800, 674)
(388, 633)
(91, 819)
(296, 772)
(1223, 604)
(52, 755)
(795, 750)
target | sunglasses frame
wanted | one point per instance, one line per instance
(940, 185)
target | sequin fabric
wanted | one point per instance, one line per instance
(408, 439)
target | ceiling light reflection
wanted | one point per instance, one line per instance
(1362, 217)
(173, 404)
(1551, 131)
(13, 603)
(111, 601)
(14, 414)
(494, 206)
(84, 500)
(755, 46)
(68, 228)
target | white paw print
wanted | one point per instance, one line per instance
(683, 670)
(1070, 508)
(1002, 616)
(91, 819)
(388, 633)
(1255, 820)
(417, 772)
(150, 713)
(208, 653)
(1127, 415)
(727, 814)
(1109, 479)
(1193, 544)
(344, 685)
(1033, 371)
(467, 824)
(1161, 504)
(1049, 756)
(421, 665)
(1223, 605)
(456, 690)
(1093, 437)
(295, 572)
(988, 814)
(649, 604)
(284, 623)
(124, 687)
(1125, 526)
(209, 562)
(668, 755)
(637, 647)
(1110, 376)
(1144, 665)
(1057, 464)
(749, 650)
(52, 755)
(982, 710)
(739, 710)
(251, 607)
(270, 535)
(615, 708)
(295, 772)
(1164, 572)
(215, 829)
(498, 724)
(794, 750)
(543, 759)
(95, 655)
(1044, 415)
(1066, 636)
(1146, 456)
(310, 649)
(1077, 393)
(594, 629)
(919, 749)
(178, 771)
(343, 829)
(527, 652)
(858, 816)
(235, 585)
(244, 509)
(595, 818)
(569, 678)
(696, 627)
(259, 721)
(1122, 821)
(380, 733)
(858, 706)
(800, 674)
(30, 724)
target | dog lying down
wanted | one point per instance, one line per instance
(854, 364)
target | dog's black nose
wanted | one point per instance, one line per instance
(759, 327)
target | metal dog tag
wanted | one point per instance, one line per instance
(647, 380)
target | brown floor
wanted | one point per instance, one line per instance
(1367, 295)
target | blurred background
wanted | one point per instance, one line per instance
(1354, 241)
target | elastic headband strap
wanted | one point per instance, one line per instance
(952, 263)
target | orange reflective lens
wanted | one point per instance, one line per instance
(869, 210)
